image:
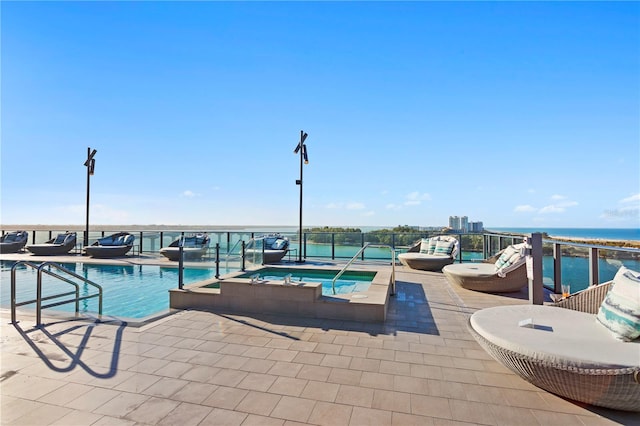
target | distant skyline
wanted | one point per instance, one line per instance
(516, 114)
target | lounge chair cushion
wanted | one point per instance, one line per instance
(279, 244)
(60, 239)
(560, 336)
(428, 245)
(444, 248)
(620, 310)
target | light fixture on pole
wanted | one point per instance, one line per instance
(90, 164)
(302, 149)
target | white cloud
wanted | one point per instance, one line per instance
(524, 208)
(415, 198)
(369, 213)
(552, 209)
(190, 194)
(333, 206)
(355, 206)
(630, 199)
(558, 197)
(392, 206)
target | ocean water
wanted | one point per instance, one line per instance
(623, 234)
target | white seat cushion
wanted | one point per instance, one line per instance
(561, 336)
(483, 270)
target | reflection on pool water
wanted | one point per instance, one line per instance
(131, 291)
(349, 282)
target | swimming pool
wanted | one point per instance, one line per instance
(349, 282)
(129, 291)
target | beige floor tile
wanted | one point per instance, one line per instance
(256, 381)
(355, 396)
(430, 406)
(377, 380)
(370, 416)
(152, 410)
(194, 392)
(200, 373)
(255, 420)
(330, 414)
(288, 369)
(77, 418)
(185, 414)
(292, 408)
(255, 365)
(472, 412)
(345, 376)
(228, 377)
(391, 401)
(13, 408)
(320, 391)
(313, 372)
(29, 387)
(137, 382)
(165, 387)
(404, 419)
(93, 399)
(221, 417)
(288, 386)
(42, 415)
(260, 403)
(65, 394)
(225, 397)
(121, 404)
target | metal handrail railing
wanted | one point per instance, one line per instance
(38, 300)
(393, 266)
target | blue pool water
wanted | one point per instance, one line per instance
(349, 282)
(130, 291)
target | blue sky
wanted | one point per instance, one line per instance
(517, 114)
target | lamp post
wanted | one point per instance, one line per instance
(302, 149)
(90, 164)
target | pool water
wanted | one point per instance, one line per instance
(349, 282)
(130, 291)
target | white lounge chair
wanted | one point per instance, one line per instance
(503, 273)
(431, 254)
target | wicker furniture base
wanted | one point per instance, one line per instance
(514, 280)
(611, 388)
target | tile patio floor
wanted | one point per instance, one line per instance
(421, 367)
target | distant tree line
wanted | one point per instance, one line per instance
(402, 235)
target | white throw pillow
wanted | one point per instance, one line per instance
(620, 309)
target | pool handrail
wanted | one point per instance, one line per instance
(342, 271)
(38, 300)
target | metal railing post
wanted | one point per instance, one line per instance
(333, 246)
(243, 257)
(594, 270)
(13, 295)
(218, 260)
(181, 264)
(557, 268)
(39, 299)
(536, 286)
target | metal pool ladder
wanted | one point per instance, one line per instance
(38, 300)
(393, 266)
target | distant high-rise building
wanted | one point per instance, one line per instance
(459, 223)
(476, 227)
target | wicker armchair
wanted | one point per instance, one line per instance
(609, 386)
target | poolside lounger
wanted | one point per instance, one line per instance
(193, 247)
(431, 254)
(61, 244)
(13, 242)
(274, 248)
(115, 245)
(503, 273)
